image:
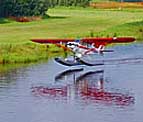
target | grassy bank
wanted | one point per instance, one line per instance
(15, 44)
(26, 52)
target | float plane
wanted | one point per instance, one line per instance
(82, 47)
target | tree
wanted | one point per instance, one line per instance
(69, 3)
(20, 8)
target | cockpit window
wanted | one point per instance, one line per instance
(72, 44)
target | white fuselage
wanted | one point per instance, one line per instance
(80, 50)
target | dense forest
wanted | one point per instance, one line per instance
(23, 7)
(34, 7)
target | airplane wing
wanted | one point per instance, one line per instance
(52, 41)
(105, 41)
(58, 42)
(97, 41)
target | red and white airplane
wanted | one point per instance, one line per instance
(82, 47)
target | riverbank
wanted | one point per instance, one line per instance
(26, 53)
(16, 47)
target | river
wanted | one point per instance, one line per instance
(49, 92)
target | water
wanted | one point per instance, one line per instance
(48, 92)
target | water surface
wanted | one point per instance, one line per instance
(48, 92)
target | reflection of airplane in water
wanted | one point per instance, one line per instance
(86, 87)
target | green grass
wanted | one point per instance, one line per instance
(131, 28)
(26, 52)
(15, 44)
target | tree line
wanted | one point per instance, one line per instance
(20, 8)
(82, 3)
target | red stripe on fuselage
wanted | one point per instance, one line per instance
(83, 47)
